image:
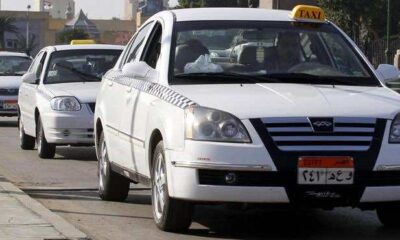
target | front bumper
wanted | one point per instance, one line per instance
(69, 128)
(199, 172)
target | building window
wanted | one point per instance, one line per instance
(11, 43)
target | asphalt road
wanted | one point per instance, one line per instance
(67, 186)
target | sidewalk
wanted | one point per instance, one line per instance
(22, 217)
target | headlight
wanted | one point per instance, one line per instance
(207, 124)
(65, 104)
(395, 130)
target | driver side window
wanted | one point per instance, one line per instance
(136, 46)
(38, 63)
(153, 49)
(40, 66)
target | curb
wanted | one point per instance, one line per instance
(61, 225)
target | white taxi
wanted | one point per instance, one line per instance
(248, 106)
(12, 66)
(57, 97)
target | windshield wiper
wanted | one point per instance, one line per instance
(228, 77)
(10, 74)
(314, 79)
(85, 76)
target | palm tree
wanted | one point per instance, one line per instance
(6, 25)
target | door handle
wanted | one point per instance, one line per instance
(129, 89)
(110, 83)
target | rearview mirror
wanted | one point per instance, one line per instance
(140, 70)
(388, 72)
(30, 78)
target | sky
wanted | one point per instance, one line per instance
(96, 9)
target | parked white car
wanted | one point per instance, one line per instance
(295, 115)
(57, 97)
(12, 66)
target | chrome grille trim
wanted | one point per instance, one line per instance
(324, 148)
(321, 138)
(296, 134)
(290, 129)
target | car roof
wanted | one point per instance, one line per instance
(87, 46)
(13, 54)
(230, 14)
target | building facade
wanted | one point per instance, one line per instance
(37, 21)
(56, 8)
(43, 30)
(146, 7)
(81, 21)
(284, 4)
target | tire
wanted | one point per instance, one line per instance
(26, 142)
(389, 215)
(171, 215)
(45, 149)
(112, 186)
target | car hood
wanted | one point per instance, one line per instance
(85, 92)
(10, 82)
(295, 100)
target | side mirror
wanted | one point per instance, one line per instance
(140, 70)
(30, 78)
(388, 72)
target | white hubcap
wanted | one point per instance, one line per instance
(159, 186)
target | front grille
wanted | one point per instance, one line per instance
(92, 106)
(8, 91)
(297, 134)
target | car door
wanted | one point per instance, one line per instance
(121, 95)
(137, 103)
(27, 98)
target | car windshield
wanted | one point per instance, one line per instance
(14, 65)
(87, 65)
(278, 52)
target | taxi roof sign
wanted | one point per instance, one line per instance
(308, 13)
(83, 41)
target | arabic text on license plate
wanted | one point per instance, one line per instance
(9, 106)
(325, 171)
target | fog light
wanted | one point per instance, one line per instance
(230, 178)
(66, 133)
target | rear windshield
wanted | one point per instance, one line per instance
(265, 51)
(80, 65)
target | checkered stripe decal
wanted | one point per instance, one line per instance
(157, 90)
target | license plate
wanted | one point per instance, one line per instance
(325, 171)
(9, 106)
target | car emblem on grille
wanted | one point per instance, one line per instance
(322, 124)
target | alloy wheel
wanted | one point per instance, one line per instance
(159, 186)
(103, 164)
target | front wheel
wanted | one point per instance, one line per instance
(112, 186)
(45, 149)
(26, 142)
(169, 214)
(389, 215)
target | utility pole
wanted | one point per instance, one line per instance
(387, 52)
(27, 29)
